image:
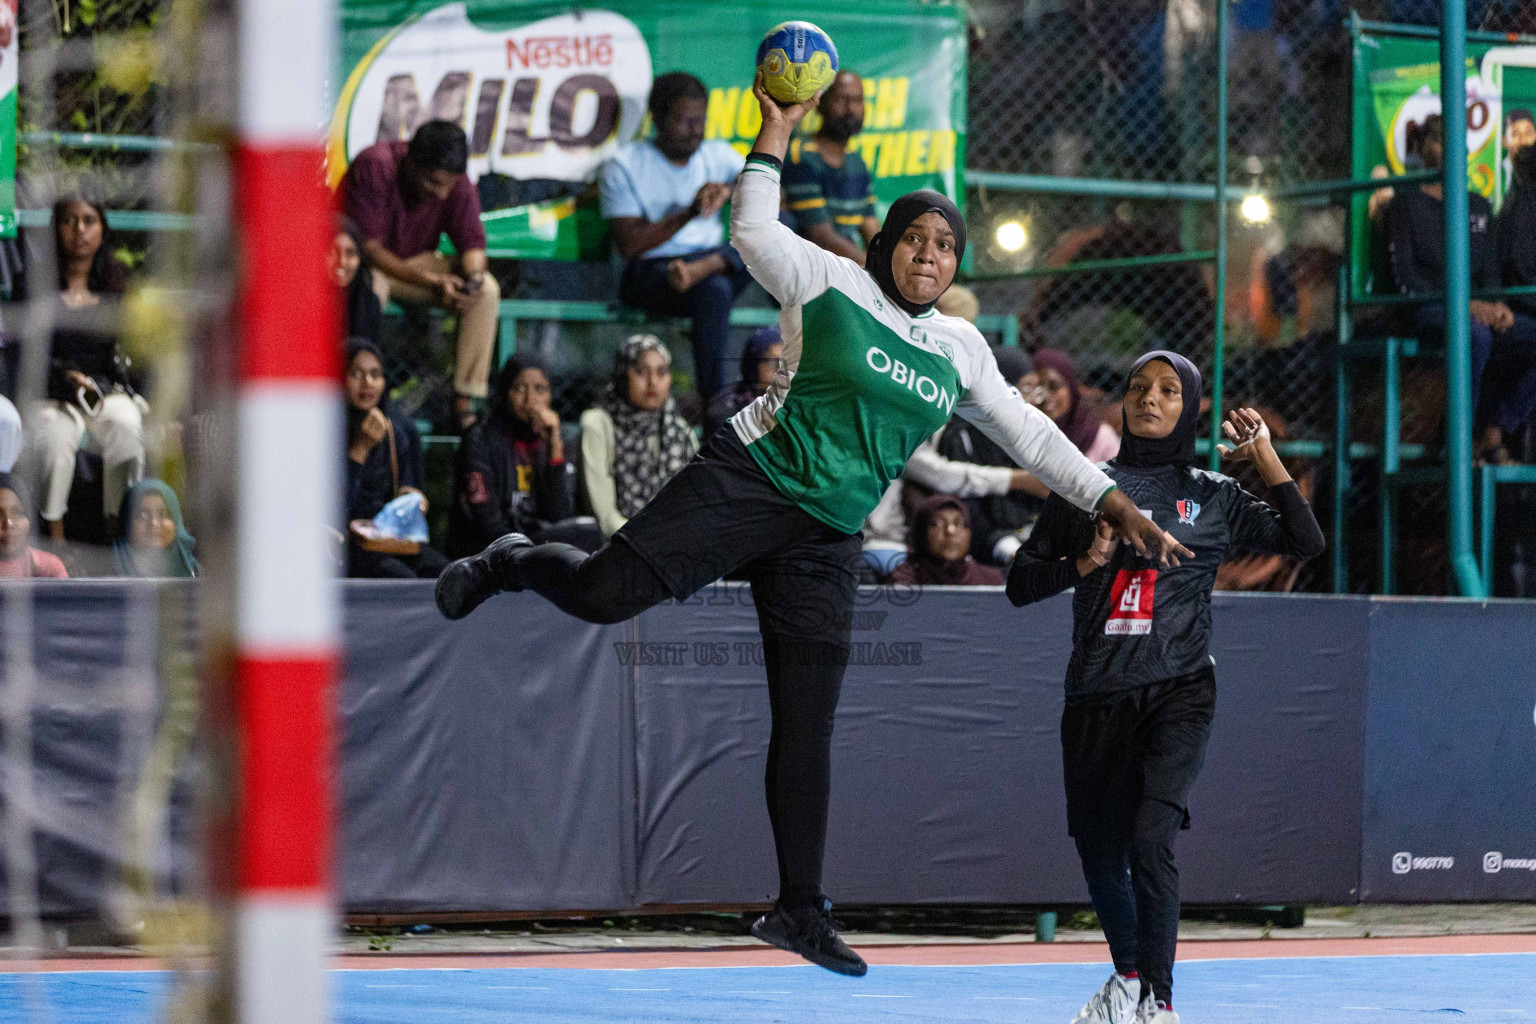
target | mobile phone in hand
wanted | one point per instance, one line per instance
(90, 399)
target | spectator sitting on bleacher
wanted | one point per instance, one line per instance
(635, 441)
(1001, 513)
(1519, 133)
(12, 437)
(1516, 398)
(89, 391)
(827, 185)
(941, 548)
(760, 360)
(403, 197)
(152, 542)
(17, 556)
(1053, 387)
(1416, 229)
(361, 315)
(511, 473)
(662, 200)
(383, 462)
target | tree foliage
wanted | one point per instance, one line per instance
(88, 66)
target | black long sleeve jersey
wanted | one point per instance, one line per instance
(1134, 623)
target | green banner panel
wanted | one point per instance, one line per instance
(546, 91)
(1397, 86)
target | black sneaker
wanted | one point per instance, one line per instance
(467, 583)
(809, 932)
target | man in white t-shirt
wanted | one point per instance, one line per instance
(662, 199)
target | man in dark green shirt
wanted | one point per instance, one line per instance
(827, 184)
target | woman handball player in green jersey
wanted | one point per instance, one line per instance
(780, 492)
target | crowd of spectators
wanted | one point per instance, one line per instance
(1502, 251)
(959, 510)
(74, 499)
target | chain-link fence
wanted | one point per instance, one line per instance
(1127, 90)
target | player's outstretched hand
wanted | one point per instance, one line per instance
(1249, 435)
(1142, 533)
(778, 115)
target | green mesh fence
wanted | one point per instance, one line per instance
(1127, 91)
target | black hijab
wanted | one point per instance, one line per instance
(932, 568)
(900, 217)
(1178, 448)
(354, 346)
(362, 316)
(501, 407)
(1012, 362)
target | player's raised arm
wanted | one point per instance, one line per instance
(792, 269)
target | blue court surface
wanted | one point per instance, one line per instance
(1357, 990)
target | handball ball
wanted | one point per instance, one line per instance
(797, 60)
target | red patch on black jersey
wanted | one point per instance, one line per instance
(1130, 603)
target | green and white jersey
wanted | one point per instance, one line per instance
(863, 383)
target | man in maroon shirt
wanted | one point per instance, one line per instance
(403, 196)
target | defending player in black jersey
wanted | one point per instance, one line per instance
(1140, 687)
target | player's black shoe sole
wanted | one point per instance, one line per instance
(469, 582)
(809, 933)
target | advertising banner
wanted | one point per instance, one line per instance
(547, 91)
(1450, 750)
(1364, 750)
(1403, 76)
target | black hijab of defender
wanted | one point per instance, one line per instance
(900, 217)
(1178, 448)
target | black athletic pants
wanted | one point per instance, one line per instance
(720, 514)
(1130, 764)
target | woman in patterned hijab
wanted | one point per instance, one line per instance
(651, 440)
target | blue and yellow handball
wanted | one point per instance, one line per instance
(797, 60)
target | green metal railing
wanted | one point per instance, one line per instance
(115, 143)
(1085, 266)
(579, 311)
(1458, 283)
(118, 220)
(1219, 338)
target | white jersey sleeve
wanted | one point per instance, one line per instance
(962, 479)
(1000, 412)
(793, 270)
